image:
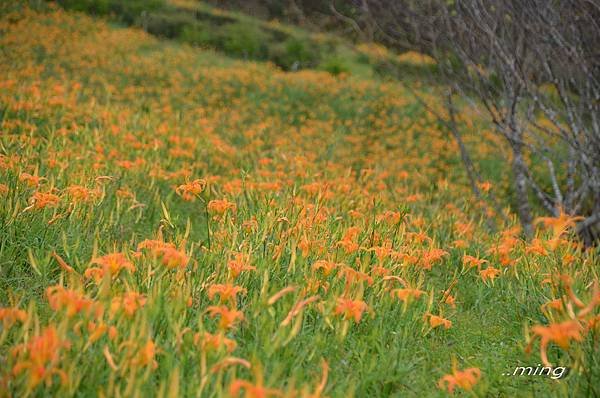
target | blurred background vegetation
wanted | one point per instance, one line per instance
(290, 35)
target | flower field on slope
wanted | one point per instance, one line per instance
(176, 223)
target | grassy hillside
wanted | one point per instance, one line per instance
(175, 222)
(239, 36)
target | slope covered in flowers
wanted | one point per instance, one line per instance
(176, 223)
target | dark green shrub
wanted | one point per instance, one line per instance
(96, 7)
(244, 40)
(214, 19)
(294, 53)
(130, 10)
(199, 34)
(126, 11)
(335, 66)
(169, 25)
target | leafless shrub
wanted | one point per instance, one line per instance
(534, 66)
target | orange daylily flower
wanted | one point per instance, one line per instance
(96, 331)
(253, 390)
(418, 237)
(388, 216)
(40, 357)
(559, 224)
(348, 241)
(380, 271)
(556, 304)
(460, 244)
(382, 252)
(505, 246)
(351, 276)
(173, 258)
(464, 379)
(568, 259)
(132, 301)
(490, 273)
(125, 193)
(464, 229)
(471, 261)
(9, 316)
(414, 198)
(94, 273)
(238, 264)
(485, 186)
(355, 214)
(31, 181)
(191, 190)
(349, 246)
(326, 266)
(436, 321)
(154, 245)
(74, 302)
(350, 309)
(80, 194)
(406, 294)
(559, 333)
(113, 263)
(430, 257)
(146, 355)
(536, 247)
(214, 342)
(226, 292)
(450, 300)
(129, 302)
(250, 225)
(40, 200)
(229, 317)
(220, 206)
(593, 323)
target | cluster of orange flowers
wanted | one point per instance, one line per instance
(40, 357)
(570, 318)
